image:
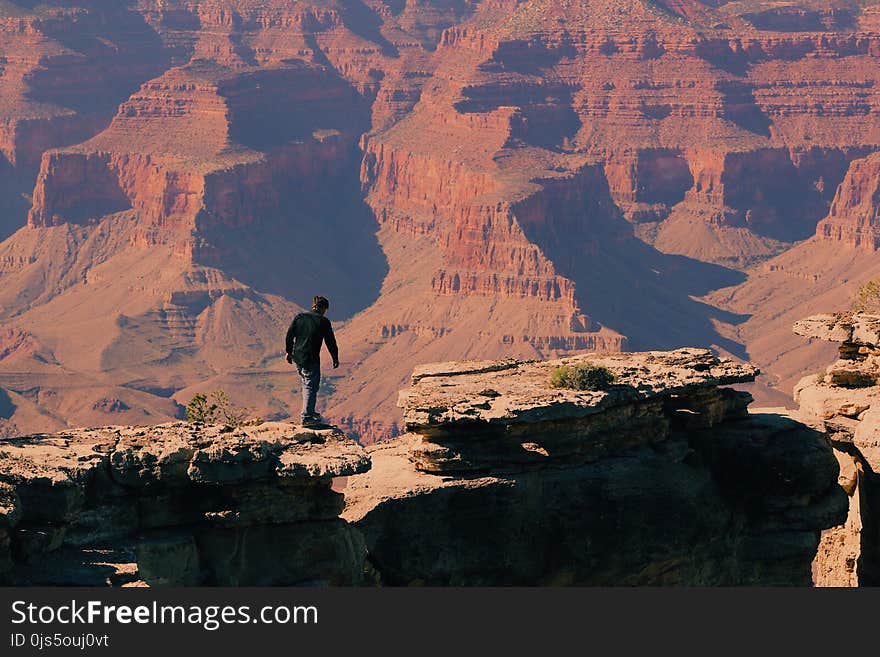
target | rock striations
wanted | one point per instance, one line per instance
(178, 505)
(490, 179)
(663, 478)
(854, 217)
(844, 401)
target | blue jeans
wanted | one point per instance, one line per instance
(311, 381)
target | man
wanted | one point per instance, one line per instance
(304, 338)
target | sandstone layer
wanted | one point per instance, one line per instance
(844, 401)
(179, 505)
(661, 479)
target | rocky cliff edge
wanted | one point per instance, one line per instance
(662, 477)
(844, 402)
(179, 504)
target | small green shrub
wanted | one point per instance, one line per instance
(582, 376)
(217, 409)
(199, 411)
(867, 298)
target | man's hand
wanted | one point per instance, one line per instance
(335, 364)
(290, 359)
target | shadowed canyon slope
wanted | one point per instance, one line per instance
(463, 178)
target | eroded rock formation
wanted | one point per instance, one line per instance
(844, 401)
(853, 218)
(663, 478)
(491, 178)
(178, 505)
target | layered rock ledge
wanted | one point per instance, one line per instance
(662, 478)
(844, 401)
(179, 504)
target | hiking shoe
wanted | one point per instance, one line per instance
(312, 420)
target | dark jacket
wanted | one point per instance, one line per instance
(306, 334)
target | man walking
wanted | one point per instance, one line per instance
(304, 338)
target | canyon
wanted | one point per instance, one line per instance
(464, 179)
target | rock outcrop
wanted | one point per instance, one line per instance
(179, 505)
(662, 478)
(844, 401)
(854, 217)
(64, 69)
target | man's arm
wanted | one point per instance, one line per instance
(330, 340)
(288, 341)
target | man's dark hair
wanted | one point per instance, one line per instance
(320, 303)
